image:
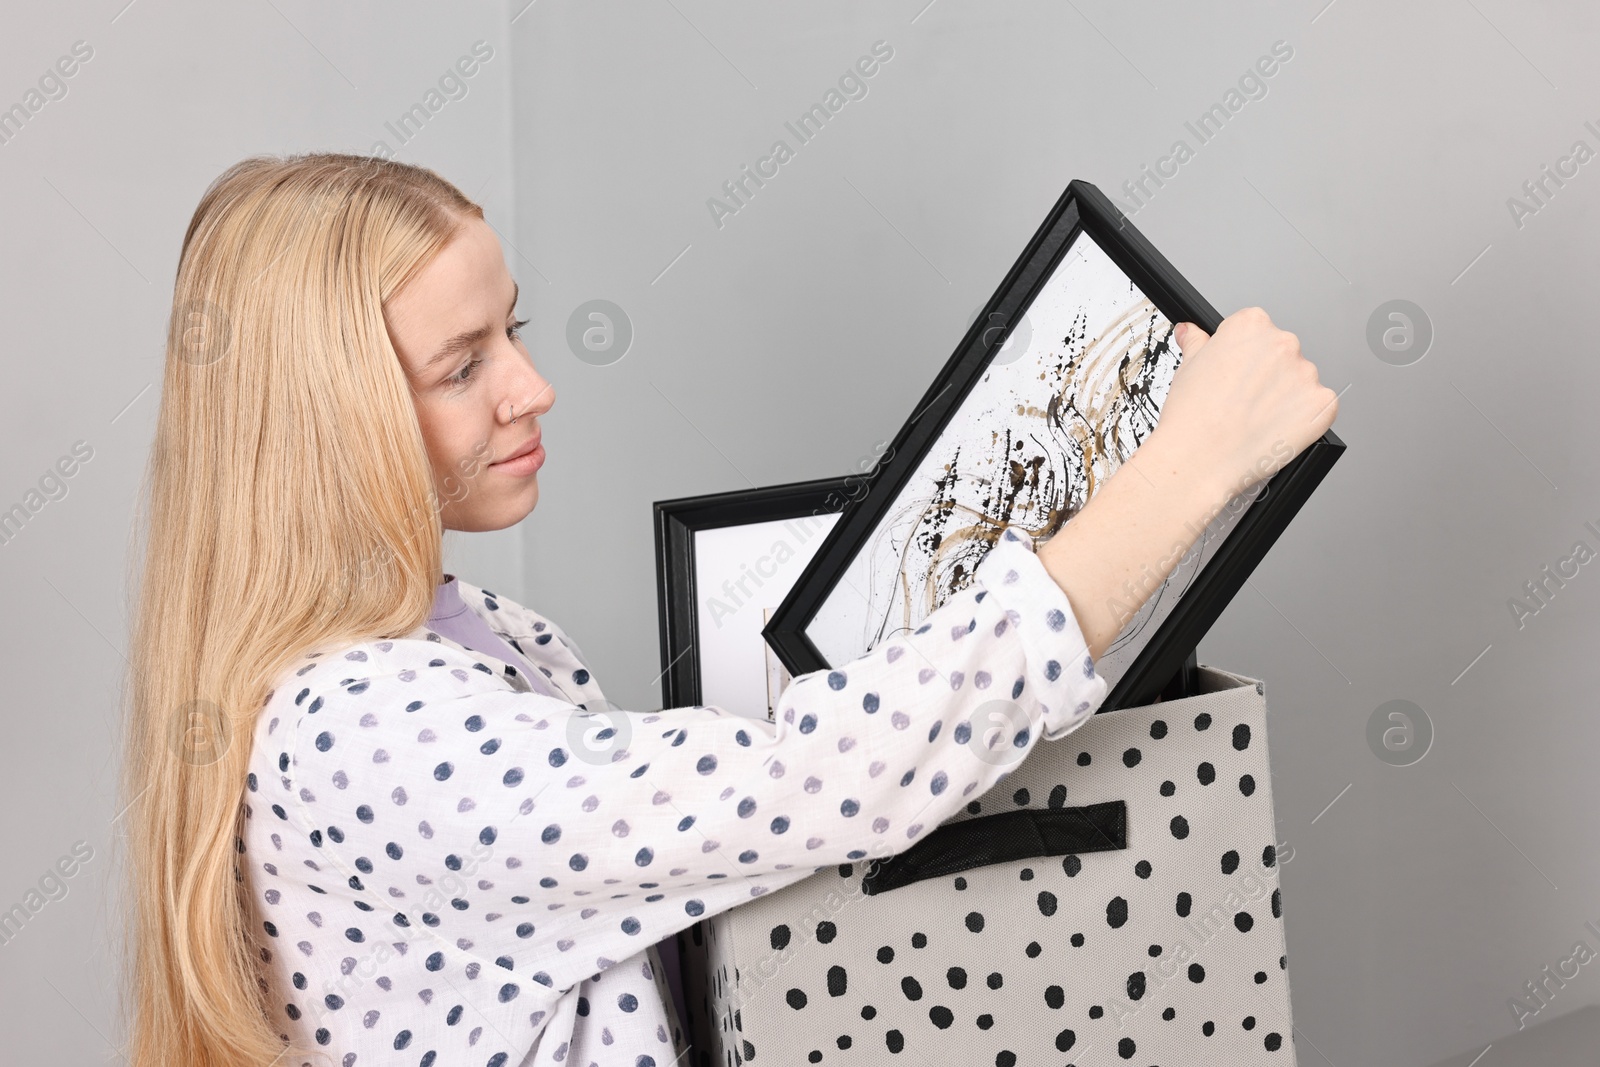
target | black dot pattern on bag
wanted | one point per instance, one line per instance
(838, 981)
(981, 998)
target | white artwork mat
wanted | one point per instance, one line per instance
(1027, 448)
(742, 573)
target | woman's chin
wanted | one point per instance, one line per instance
(508, 512)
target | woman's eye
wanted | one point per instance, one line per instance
(465, 373)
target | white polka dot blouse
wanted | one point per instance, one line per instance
(447, 867)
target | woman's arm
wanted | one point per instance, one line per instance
(1242, 404)
(429, 802)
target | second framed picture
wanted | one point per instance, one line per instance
(724, 562)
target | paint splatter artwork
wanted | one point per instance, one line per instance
(1076, 389)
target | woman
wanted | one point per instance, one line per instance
(374, 818)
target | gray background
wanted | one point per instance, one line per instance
(784, 344)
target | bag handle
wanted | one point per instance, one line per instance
(1000, 838)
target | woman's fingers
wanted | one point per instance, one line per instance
(1253, 398)
(1191, 338)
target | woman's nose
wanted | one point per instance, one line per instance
(538, 395)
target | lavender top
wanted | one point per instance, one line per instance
(452, 618)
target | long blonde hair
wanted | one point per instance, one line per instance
(291, 506)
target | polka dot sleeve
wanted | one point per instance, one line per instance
(574, 838)
(1055, 650)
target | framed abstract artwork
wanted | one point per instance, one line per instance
(723, 564)
(1058, 381)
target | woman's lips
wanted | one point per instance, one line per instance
(525, 461)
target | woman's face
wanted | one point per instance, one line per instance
(454, 327)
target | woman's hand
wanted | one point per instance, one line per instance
(1242, 404)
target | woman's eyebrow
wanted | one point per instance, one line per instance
(463, 341)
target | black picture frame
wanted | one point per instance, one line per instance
(1158, 669)
(676, 523)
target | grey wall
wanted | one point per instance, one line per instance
(783, 344)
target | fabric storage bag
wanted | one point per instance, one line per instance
(1113, 899)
